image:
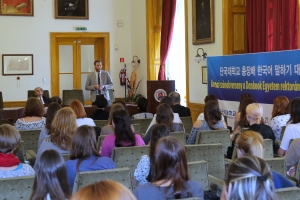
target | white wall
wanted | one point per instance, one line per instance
(31, 35)
(198, 90)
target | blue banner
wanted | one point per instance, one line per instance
(264, 75)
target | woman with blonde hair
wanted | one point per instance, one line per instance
(81, 118)
(62, 130)
(103, 190)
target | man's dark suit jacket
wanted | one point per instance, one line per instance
(46, 100)
(181, 110)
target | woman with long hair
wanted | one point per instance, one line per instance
(84, 155)
(144, 171)
(33, 116)
(81, 118)
(123, 135)
(164, 115)
(50, 180)
(171, 179)
(212, 121)
(51, 111)
(63, 128)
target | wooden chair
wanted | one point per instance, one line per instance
(188, 124)
(198, 172)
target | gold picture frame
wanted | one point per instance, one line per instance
(78, 9)
(16, 8)
(204, 74)
(203, 21)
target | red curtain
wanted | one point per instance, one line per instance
(168, 15)
(272, 25)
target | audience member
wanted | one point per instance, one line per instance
(84, 155)
(122, 103)
(292, 130)
(208, 98)
(100, 113)
(280, 115)
(123, 135)
(45, 132)
(38, 92)
(33, 116)
(50, 181)
(81, 118)
(212, 121)
(164, 115)
(242, 97)
(63, 128)
(177, 108)
(55, 99)
(292, 156)
(144, 171)
(142, 104)
(10, 165)
(171, 180)
(103, 190)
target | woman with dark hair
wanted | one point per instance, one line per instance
(142, 104)
(84, 155)
(33, 116)
(164, 115)
(50, 180)
(280, 115)
(144, 171)
(208, 98)
(292, 130)
(81, 118)
(171, 180)
(242, 97)
(212, 121)
(45, 132)
(100, 113)
(123, 135)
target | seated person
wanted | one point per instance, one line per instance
(177, 108)
(164, 115)
(123, 135)
(10, 165)
(55, 99)
(210, 97)
(81, 118)
(100, 113)
(33, 116)
(292, 156)
(142, 104)
(38, 92)
(212, 121)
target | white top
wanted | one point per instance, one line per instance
(292, 131)
(175, 120)
(201, 117)
(85, 121)
(277, 123)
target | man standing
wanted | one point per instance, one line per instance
(38, 92)
(177, 108)
(98, 82)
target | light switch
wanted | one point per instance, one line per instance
(44, 80)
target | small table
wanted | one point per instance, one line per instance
(13, 113)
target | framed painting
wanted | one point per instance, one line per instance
(71, 9)
(16, 7)
(203, 21)
(17, 64)
(204, 75)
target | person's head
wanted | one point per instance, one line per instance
(243, 119)
(121, 102)
(250, 143)
(63, 128)
(55, 99)
(249, 177)
(242, 97)
(254, 113)
(142, 103)
(171, 163)
(98, 65)
(78, 108)
(159, 131)
(106, 189)
(51, 111)
(211, 97)
(175, 96)
(212, 114)
(9, 138)
(83, 144)
(122, 126)
(33, 107)
(38, 92)
(50, 177)
(164, 115)
(295, 111)
(280, 106)
(101, 101)
(166, 100)
(113, 108)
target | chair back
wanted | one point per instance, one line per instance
(282, 132)
(71, 95)
(198, 172)
(297, 172)
(181, 136)
(144, 124)
(101, 123)
(30, 93)
(66, 157)
(277, 165)
(214, 136)
(212, 153)
(30, 138)
(268, 147)
(121, 175)
(288, 193)
(1, 101)
(16, 188)
(188, 123)
(100, 141)
(137, 128)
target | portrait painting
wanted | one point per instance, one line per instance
(16, 7)
(203, 21)
(71, 9)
